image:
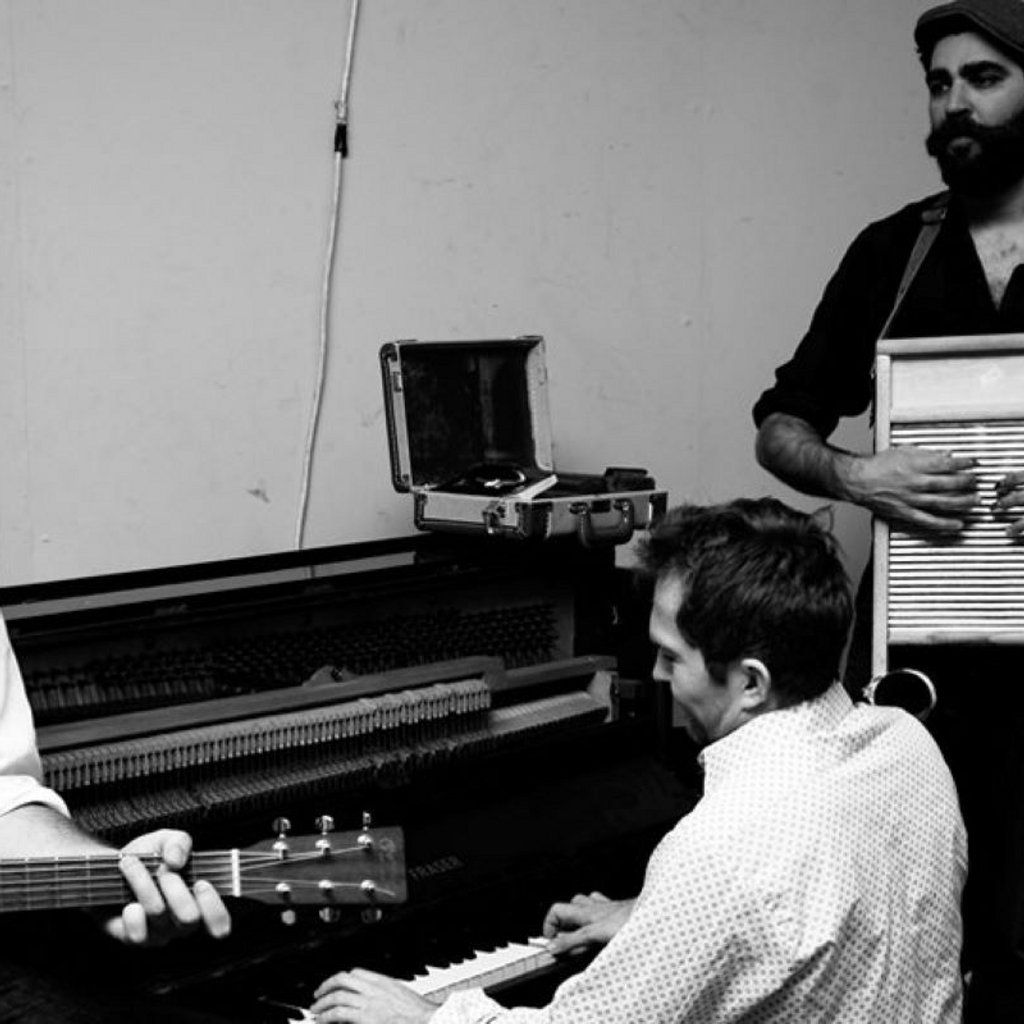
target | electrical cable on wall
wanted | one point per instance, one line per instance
(340, 152)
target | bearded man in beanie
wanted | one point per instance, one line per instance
(948, 265)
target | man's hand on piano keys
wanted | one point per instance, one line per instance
(165, 907)
(584, 921)
(364, 997)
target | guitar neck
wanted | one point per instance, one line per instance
(339, 868)
(93, 880)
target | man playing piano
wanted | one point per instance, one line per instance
(34, 822)
(818, 879)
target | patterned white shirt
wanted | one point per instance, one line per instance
(817, 881)
(20, 770)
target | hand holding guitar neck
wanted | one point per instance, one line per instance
(167, 891)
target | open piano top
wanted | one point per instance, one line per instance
(465, 692)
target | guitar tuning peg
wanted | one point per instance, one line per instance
(325, 823)
(364, 839)
(370, 915)
(329, 915)
(281, 826)
(288, 916)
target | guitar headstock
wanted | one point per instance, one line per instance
(362, 868)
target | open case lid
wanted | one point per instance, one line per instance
(451, 405)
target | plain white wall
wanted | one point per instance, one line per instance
(660, 187)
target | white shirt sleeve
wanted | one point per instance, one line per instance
(693, 950)
(473, 1007)
(20, 769)
(818, 880)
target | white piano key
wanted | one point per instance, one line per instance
(486, 968)
(481, 970)
(454, 973)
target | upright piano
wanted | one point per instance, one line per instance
(486, 698)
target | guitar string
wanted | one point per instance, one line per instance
(118, 894)
(257, 885)
(114, 883)
(108, 862)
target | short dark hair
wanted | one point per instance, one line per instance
(761, 580)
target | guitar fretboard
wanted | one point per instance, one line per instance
(346, 872)
(51, 883)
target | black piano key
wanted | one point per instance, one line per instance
(271, 1011)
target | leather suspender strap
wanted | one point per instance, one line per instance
(932, 217)
(931, 221)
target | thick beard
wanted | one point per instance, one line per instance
(990, 167)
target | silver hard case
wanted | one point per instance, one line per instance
(455, 407)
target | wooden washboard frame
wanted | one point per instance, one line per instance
(964, 395)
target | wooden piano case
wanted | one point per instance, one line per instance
(459, 689)
(470, 437)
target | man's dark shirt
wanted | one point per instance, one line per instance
(829, 376)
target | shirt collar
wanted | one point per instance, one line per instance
(821, 714)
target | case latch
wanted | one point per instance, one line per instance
(493, 516)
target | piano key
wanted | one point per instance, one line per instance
(485, 969)
(272, 1011)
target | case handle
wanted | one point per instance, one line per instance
(591, 535)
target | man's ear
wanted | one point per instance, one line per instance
(757, 683)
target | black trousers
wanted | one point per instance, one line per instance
(978, 724)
